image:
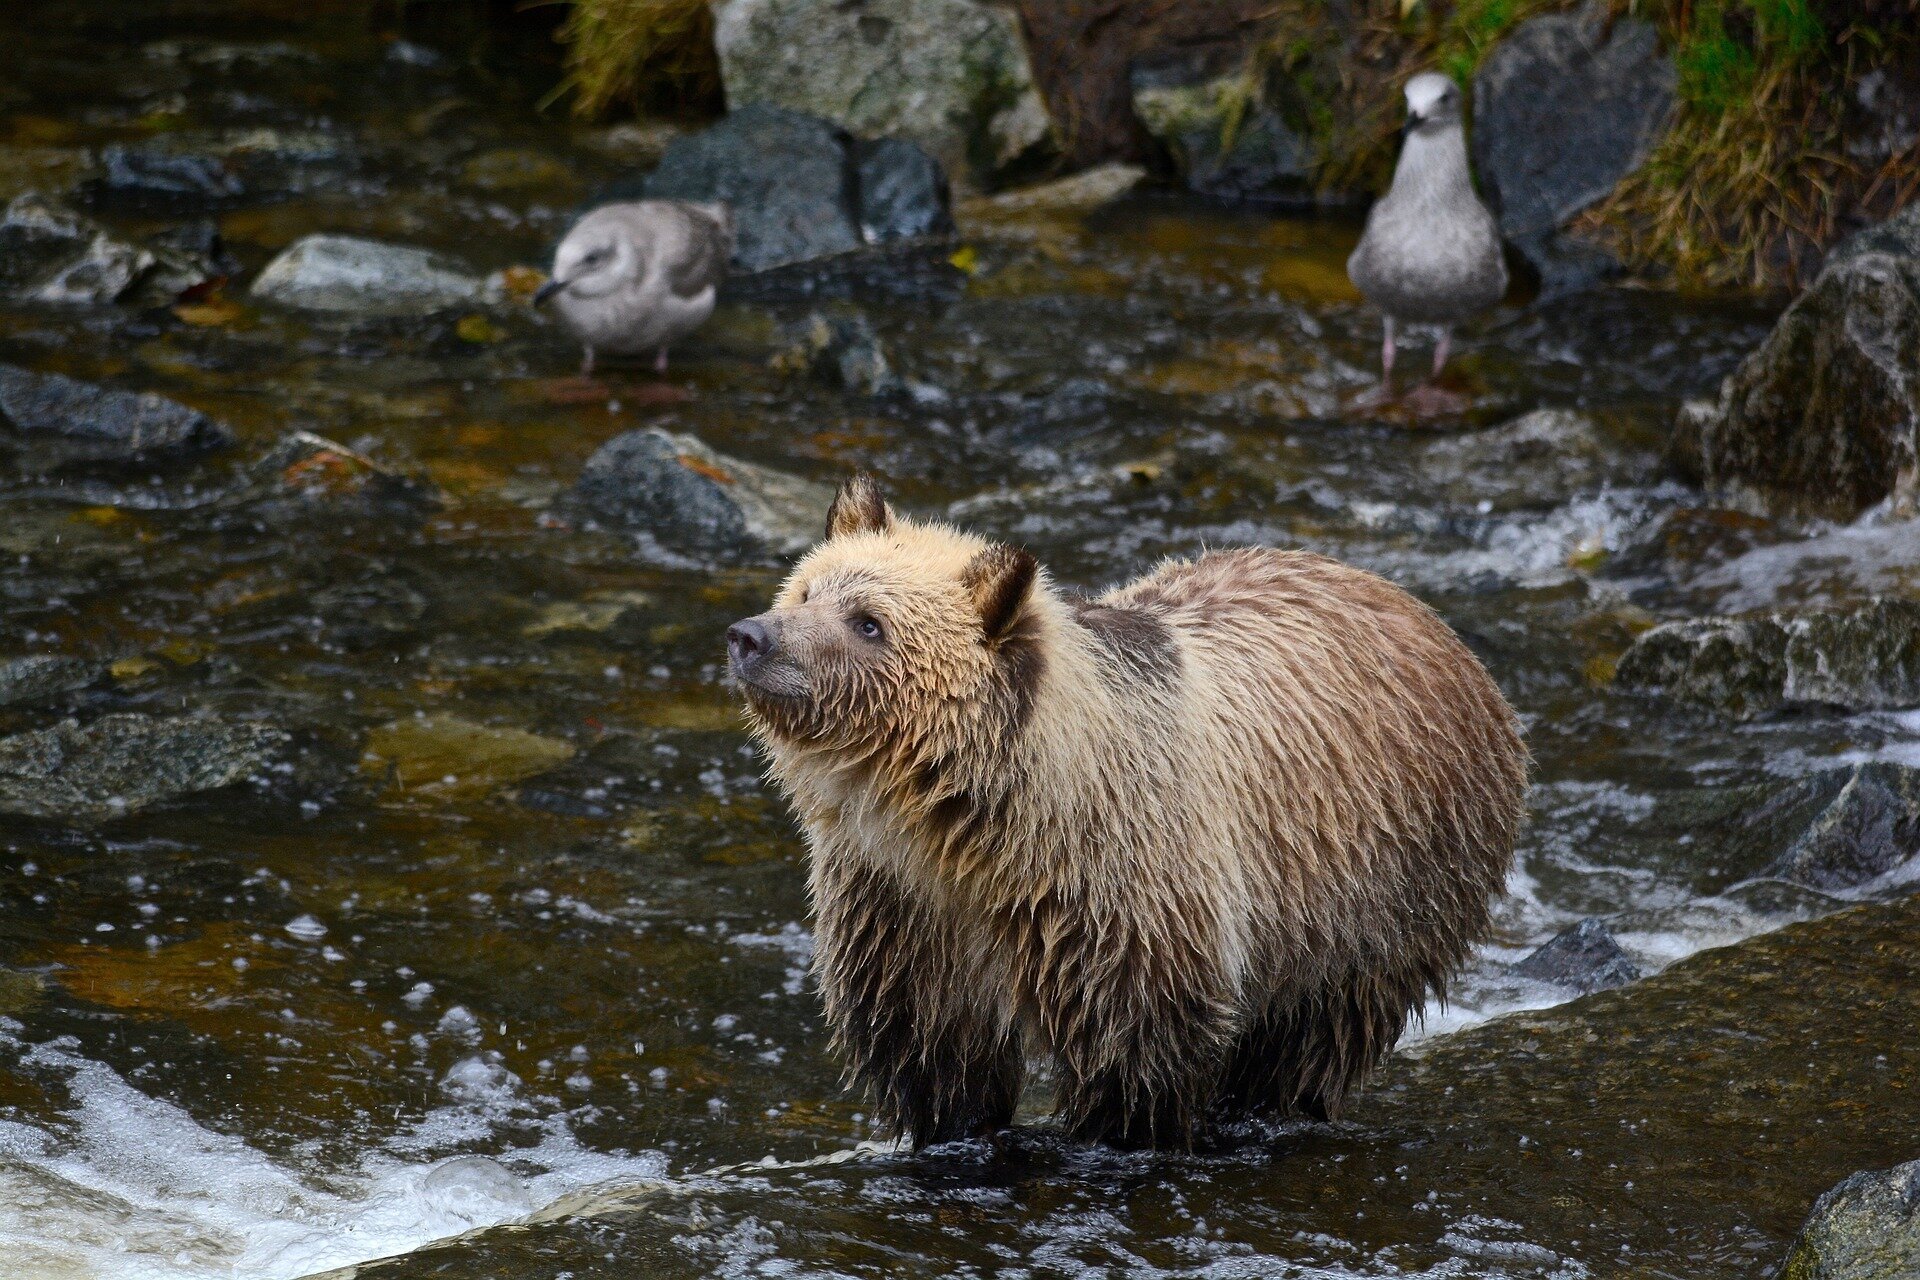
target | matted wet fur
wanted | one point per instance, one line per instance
(1203, 844)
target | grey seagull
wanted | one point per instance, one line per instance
(639, 276)
(1431, 250)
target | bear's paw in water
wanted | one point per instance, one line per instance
(1203, 843)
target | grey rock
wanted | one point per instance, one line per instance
(1864, 659)
(1824, 418)
(801, 188)
(156, 178)
(52, 254)
(304, 473)
(40, 676)
(1865, 1228)
(366, 277)
(121, 764)
(903, 193)
(1226, 138)
(1585, 957)
(1567, 264)
(787, 176)
(1563, 109)
(950, 75)
(1870, 825)
(55, 420)
(694, 501)
(841, 350)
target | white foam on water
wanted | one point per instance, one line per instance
(1877, 553)
(124, 1186)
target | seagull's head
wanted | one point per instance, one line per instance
(1433, 102)
(594, 259)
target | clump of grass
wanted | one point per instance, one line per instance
(640, 55)
(1754, 178)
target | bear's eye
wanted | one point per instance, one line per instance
(867, 625)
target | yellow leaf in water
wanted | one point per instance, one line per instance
(210, 313)
(521, 283)
(102, 516)
(966, 258)
(1408, 6)
(132, 668)
(477, 328)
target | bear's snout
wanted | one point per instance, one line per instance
(750, 642)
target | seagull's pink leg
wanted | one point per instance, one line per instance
(660, 361)
(1440, 351)
(1386, 353)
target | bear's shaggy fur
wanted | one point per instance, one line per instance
(1202, 843)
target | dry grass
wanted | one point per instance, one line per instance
(640, 55)
(1754, 177)
(1750, 182)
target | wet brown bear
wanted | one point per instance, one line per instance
(1202, 843)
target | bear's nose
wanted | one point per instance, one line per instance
(748, 641)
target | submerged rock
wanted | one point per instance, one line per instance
(55, 420)
(449, 755)
(1227, 140)
(1824, 418)
(366, 277)
(1866, 1228)
(120, 764)
(52, 254)
(42, 676)
(1585, 957)
(1565, 107)
(949, 75)
(841, 350)
(312, 471)
(149, 177)
(803, 188)
(693, 500)
(1870, 825)
(1865, 659)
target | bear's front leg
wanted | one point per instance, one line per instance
(1140, 1022)
(913, 1003)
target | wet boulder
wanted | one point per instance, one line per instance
(1585, 957)
(53, 420)
(840, 350)
(41, 677)
(350, 275)
(1860, 660)
(693, 501)
(1563, 109)
(1824, 419)
(1226, 138)
(304, 473)
(121, 764)
(948, 75)
(1866, 1228)
(52, 254)
(1866, 822)
(802, 188)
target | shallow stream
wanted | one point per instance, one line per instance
(530, 941)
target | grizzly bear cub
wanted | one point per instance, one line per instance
(1202, 843)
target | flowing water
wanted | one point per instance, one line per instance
(529, 945)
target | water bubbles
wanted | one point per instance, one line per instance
(306, 928)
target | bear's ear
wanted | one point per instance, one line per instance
(1000, 579)
(858, 508)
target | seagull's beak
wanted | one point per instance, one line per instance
(547, 290)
